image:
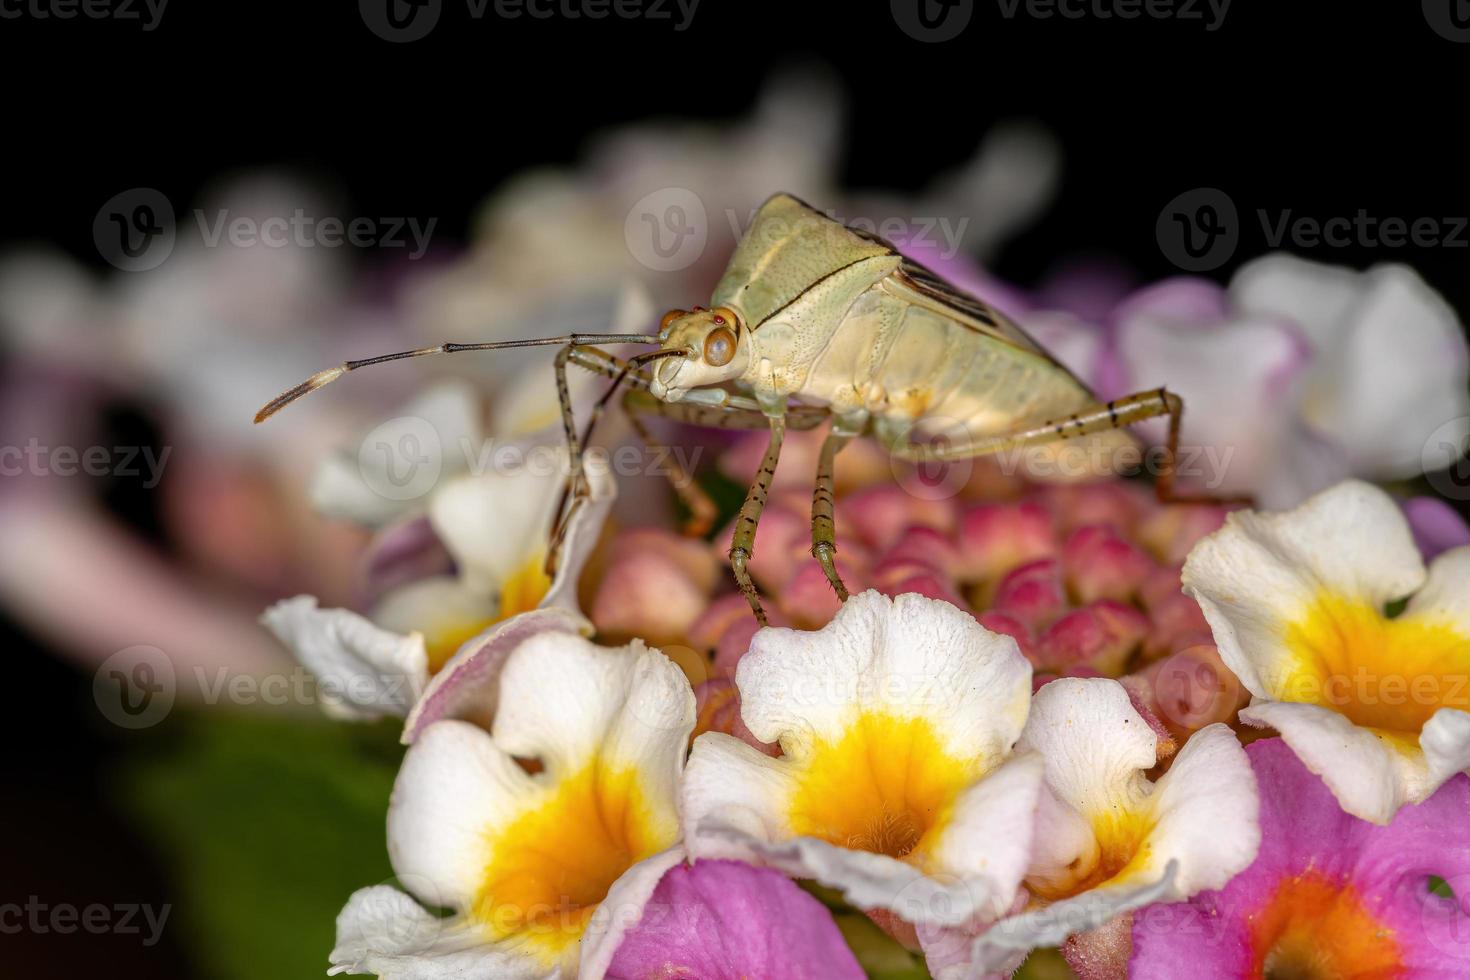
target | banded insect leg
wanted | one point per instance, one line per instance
(638, 405)
(824, 528)
(739, 417)
(742, 547)
(1117, 414)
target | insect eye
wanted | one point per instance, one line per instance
(719, 347)
(669, 318)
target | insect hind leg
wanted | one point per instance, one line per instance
(1116, 414)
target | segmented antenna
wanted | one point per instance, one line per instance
(326, 377)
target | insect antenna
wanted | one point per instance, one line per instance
(322, 378)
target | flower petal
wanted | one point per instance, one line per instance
(724, 920)
(1108, 841)
(534, 858)
(443, 609)
(1328, 894)
(1391, 357)
(896, 722)
(362, 671)
(1371, 775)
(350, 484)
(912, 656)
(496, 523)
(468, 685)
(385, 932)
(1261, 572)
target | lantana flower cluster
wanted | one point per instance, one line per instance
(1048, 716)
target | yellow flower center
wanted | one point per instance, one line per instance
(1316, 929)
(552, 866)
(522, 592)
(1382, 673)
(885, 786)
(1123, 850)
(525, 588)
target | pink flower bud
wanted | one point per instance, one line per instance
(1100, 564)
(996, 538)
(809, 598)
(1102, 636)
(647, 594)
(1032, 594)
(718, 704)
(881, 514)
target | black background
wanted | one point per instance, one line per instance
(1320, 108)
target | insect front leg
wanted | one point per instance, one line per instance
(702, 509)
(743, 545)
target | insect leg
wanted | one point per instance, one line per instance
(598, 362)
(702, 510)
(824, 531)
(743, 545)
(1116, 414)
(1113, 415)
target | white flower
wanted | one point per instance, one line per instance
(544, 836)
(1376, 704)
(1108, 840)
(1331, 373)
(897, 783)
(456, 628)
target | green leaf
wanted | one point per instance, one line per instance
(880, 956)
(268, 824)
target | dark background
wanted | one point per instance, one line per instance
(1323, 109)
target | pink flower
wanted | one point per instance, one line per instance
(1328, 894)
(724, 920)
